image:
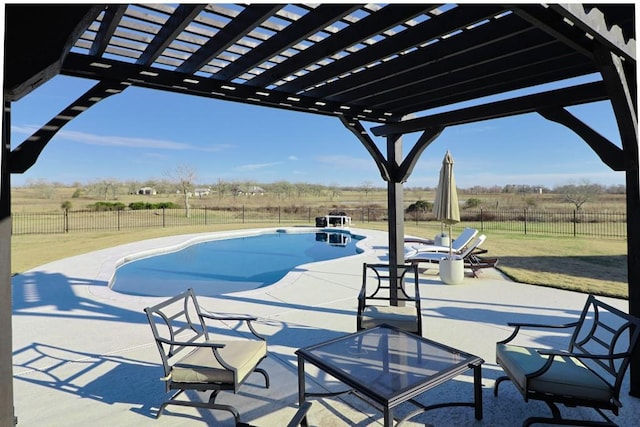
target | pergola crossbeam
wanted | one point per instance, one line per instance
(580, 94)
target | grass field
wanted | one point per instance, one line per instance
(584, 264)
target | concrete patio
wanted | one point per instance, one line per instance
(83, 354)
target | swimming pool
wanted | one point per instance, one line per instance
(235, 264)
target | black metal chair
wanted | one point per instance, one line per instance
(376, 306)
(589, 372)
(192, 360)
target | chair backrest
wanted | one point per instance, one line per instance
(463, 239)
(476, 244)
(604, 330)
(380, 288)
(176, 319)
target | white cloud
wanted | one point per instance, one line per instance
(122, 141)
(292, 158)
(256, 166)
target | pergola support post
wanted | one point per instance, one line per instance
(7, 416)
(633, 260)
(621, 89)
(395, 209)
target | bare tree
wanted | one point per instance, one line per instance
(366, 187)
(184, 176)
(335, 191)
(104, 187)
(235, 189)
(221, 187)
(579, 194)
(46, 189)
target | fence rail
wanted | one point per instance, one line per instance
(526, 221)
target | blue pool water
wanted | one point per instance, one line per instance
(230, 265)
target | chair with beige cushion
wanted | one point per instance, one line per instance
(376, 305)
(588, 372)
(193, 360)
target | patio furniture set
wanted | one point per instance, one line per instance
(387, 362)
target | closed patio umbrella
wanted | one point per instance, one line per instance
(445, 207)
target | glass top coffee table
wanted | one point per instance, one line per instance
(386, 367)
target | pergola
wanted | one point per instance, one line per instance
(377, 63)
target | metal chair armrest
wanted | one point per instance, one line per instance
(228, 316)
(235, 317)
(542, 325)
(517, 326)
(554, 353)
(189, 344)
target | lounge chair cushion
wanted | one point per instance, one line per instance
(567, 376)
(201, 366)
(400, 317)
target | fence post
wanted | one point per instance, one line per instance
(525, 220)
(163, 217)
(481, 219)
(575, 220)
(66, 220)
(243, 214)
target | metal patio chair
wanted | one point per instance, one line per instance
(589, 372)
(193, 360)
(375, 305)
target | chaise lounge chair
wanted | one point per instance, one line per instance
(471, 260)
(476, 263)
(457, 246)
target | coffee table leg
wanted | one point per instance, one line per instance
(301, 390)
(300, 380)
(477, 390)
(388, 418)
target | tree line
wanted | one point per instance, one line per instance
(110, 188)
(182, 183)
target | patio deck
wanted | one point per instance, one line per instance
(84, 355)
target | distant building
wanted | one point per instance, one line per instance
(147, 191)
(199, 192)
(253, 191)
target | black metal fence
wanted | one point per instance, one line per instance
(526, 221)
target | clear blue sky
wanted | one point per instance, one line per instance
(143, 134)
